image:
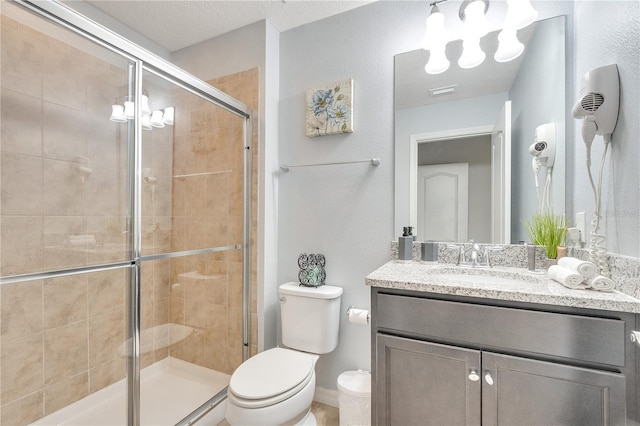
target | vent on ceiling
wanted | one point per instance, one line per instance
(445, 90)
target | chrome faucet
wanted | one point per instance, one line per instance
(480, 258)
(475, 253)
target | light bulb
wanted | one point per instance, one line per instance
(472, 54)
(167, 117)
(520, 14)
(509, 46)
(435, 33)
(156, 119)
(145, 105)
(117, 114)
(146, 122)
(475, 21)
(438, 62)
(129, 110)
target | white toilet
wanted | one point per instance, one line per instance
(276, 387)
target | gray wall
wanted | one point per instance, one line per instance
(537, 99)
(476, 151)
(229, 53)
(606, 33)
(344, 212)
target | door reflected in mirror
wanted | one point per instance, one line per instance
(487, 121)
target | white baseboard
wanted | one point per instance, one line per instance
(326, 396)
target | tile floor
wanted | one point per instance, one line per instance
(326, 415)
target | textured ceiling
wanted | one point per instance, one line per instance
(174, 24)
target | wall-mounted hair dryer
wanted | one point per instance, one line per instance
(598, 106)
(598, 103)
(543, 150)
(543, 147)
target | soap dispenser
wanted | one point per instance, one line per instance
(405, 244)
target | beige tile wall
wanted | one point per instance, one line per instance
(53, 125)
(208, 212)
(61, 340)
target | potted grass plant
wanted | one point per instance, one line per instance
(548, 231)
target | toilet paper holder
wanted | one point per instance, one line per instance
(352, 309)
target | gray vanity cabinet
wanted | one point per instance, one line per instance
(432, 384)
(426, 383)
(529, 392)
(444, 362)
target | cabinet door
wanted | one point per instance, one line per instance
(423, 383)
(529, 392)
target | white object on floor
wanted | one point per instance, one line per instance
(354, 396)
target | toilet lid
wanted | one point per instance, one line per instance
(271, 373)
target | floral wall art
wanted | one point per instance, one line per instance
(330, 109)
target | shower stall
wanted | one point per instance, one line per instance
(125, 216)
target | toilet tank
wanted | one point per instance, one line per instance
(310, 317)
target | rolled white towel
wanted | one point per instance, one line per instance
(583, 267)
(566, 277)
(600, 283)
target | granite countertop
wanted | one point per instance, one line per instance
(513, 284)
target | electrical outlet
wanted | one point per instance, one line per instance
(581, 224)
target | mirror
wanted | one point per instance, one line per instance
(485, 118)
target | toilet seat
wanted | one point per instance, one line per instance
(271, 377)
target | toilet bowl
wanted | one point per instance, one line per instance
(276, 387)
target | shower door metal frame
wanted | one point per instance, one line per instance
(147, 61)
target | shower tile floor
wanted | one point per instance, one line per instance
(170, 389)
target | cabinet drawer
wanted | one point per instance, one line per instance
(581, 338)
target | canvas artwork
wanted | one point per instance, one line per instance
(330, 109)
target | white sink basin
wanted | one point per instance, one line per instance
(482, 279)
(491, 276)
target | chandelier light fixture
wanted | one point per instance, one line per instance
(123, 110)
(435, 41)
(472, 13)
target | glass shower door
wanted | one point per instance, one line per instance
(191, 250)
(64, 212)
